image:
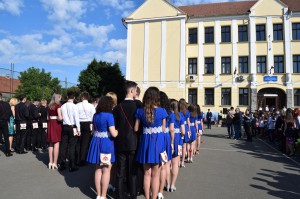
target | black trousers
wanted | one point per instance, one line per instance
(126, 164)
(42, 136)
(68, 144)
(247, 130)
(34, 136)
(20, 138)
(4, 132)
(209, 123)
(83, 142)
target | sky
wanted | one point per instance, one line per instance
(64, 36)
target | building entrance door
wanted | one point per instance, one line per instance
(273, 97)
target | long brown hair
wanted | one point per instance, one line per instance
(182, 106)
(174, 107)
(193, 110)
(150, 100)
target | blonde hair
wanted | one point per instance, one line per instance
(44, 102)
(13, 101)
(54, 100)
(114, 97)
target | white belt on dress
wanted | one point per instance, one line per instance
(53, 117)
(192, 124)
(184, 122)
(167, 130)
(150, 130)
(198, 122)
(176, 130)
(101, 134)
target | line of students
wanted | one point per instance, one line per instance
(153, 134)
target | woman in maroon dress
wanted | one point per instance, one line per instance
(54, 130)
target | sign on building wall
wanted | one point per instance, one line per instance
(270, 78)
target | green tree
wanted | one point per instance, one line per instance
(75, 89)
(37, 84)
(102, 77)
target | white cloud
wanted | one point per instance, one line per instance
(117, 44)
(64, 11)
(7, 47)
(115, 56)
(124, 6)
(13, 7)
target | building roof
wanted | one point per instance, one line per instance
(229, 8)
(7, 85)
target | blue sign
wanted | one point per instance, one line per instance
(270, 79)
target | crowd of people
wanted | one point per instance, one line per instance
(280, 126)
(141, 142)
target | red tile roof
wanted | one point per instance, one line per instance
(229, 8)
(5, 85)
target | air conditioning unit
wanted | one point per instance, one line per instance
(240, 78)
(191, 78)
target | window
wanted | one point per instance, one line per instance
(277, 32)
(296, 31)
(260, 33)
(261, 64)
(192, 66)
(209, 35)
(193, 96)
(243, 96)
(209, 65)
(226, 65)
(278, 64)
(226, 96)
(225, 32)
(243, 33)
(296, 97)
(209, 96)
(243, 64)
(193, 36)
(296, 63)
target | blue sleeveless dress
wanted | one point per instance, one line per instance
(152, 139)
(102, 141)
(185, 117)
(177, 135)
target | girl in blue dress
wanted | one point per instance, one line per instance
(200, 128)
(194, 130)
(153, 120)
(179, 131)
(166, 168)
(186, 114)
(101, 151)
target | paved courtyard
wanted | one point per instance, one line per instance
(224, 169)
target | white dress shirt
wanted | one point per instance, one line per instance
(86, 111)
(70, 115)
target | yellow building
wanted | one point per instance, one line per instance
(241, 54)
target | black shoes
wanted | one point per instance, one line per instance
(8, 154)
(73, 169)
(22, 152)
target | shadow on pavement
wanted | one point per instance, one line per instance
(82, 179)
(284, 184)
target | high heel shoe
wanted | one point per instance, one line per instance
(54, 166)
(50, 165)
(160, 196)
(172, 189)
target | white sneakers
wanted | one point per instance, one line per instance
(160, 196)
(100, 197)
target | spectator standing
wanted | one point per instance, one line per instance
(237, 122)
(271, 126)
(247, 124)
(290, 133)
(70, 132)
(54, 130)
(229, 118)
(5, 114)
(22, 114)
(33, 126)
(86, 113)
(208, 118)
